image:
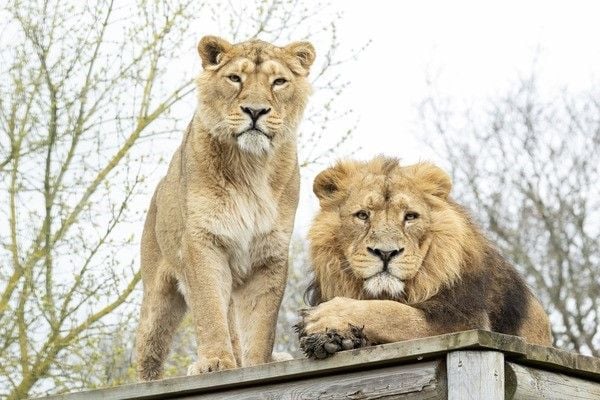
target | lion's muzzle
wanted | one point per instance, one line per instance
(384, 283)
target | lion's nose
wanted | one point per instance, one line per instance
(255, 113)
(385, 255)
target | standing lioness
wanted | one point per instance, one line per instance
(217, 232)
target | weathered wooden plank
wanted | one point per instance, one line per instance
(425, 380)
(550, 358)
(514, 348)
(475, 375)
(510, 345)
(562, 361)
(525, 383)
(363, 359)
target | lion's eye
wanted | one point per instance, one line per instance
(235, 78)
(279, 81)
(362, 214)
(409, 216)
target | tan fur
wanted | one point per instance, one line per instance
(217, 233)
(440, 254)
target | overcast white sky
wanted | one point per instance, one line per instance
(476, 49)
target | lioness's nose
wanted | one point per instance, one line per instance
(255, 113)
(385, 255)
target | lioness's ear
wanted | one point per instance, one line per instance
(431, 179)
(304, 52)
(211, 49)
(329, 184)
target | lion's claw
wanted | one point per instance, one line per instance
(325, 344)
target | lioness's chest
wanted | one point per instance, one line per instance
(246, 216)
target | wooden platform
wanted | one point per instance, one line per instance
(459, 366)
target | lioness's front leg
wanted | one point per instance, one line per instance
(325, 329)
(208, 279)
(258, 302)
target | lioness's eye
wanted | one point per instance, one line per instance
(279, 81)
(235, 78)
(362, 214)
(409, 216)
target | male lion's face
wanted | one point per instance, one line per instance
(253, 93)
(382, 218)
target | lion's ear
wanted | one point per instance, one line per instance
(303, 52)
(211, 49)
(431, 179)
(329, 184)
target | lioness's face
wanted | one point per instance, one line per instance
(383, 219)
(253, 94)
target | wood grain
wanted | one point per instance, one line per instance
(526, 383)
(415, 381)
(475, 375)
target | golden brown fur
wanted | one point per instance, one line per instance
(217, 233)
(391, 252)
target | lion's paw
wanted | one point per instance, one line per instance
(325, 344)
(211, 365)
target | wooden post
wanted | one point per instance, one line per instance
(475, 375)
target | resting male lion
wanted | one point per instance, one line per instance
(217, 232)
(393, 253)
